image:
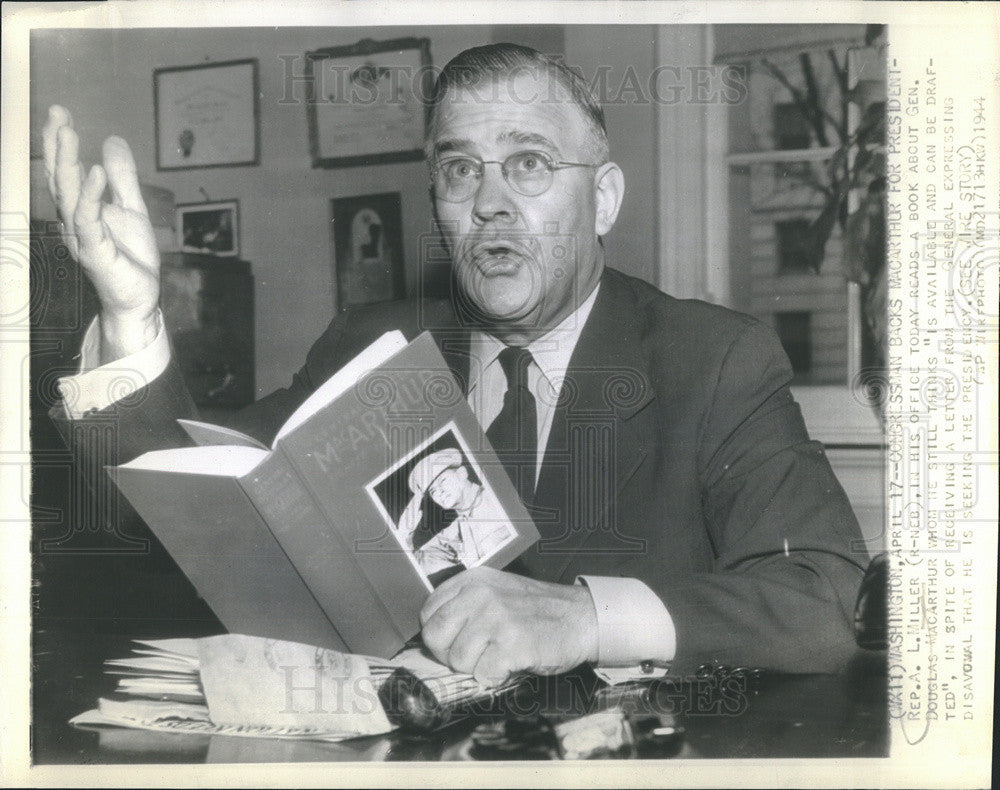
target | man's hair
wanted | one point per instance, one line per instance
(495, 63)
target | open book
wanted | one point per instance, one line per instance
(248, 686)
(335, 536)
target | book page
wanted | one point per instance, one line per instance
(178, 647)
(207, 434)
(345, 378)
(223, 461)
(204, 433)
(177, 717)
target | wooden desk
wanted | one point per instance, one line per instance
(779, 716)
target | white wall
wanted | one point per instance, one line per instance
(631, 122)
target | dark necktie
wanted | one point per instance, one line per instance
(514, 432)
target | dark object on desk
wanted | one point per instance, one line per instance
(657, 737)
(518, 738)
(614, 734)
(870, 618)
(606, 734)
(409, 704)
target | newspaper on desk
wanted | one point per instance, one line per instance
(251, 686)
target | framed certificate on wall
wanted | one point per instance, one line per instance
(367, 103)
(207, 115)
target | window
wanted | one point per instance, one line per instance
(791, 129)
(792, 186)
(795, 254)
(774, 184)
(795, 333)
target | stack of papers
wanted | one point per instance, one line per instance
(256, 687)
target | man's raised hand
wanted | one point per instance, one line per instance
(113, 242)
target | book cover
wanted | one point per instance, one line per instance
(208, 524)
(378, 488)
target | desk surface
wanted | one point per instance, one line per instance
(777, 716)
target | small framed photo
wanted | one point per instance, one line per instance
(368, 249)
(209, 228)
(367, 102)
(207, 115)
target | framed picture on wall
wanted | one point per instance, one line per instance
(212, 228)
(207, 115)
(367, 103)
(368, 249)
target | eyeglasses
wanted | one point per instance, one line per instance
(530, 173)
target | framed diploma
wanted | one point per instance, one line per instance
(207, 115)
(368, 102)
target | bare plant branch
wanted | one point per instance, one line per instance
(813, 104)
(797, 96)
(840, 74)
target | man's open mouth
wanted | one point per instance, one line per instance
(497, 257)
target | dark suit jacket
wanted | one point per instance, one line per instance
(677, 455)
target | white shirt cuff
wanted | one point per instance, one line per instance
(97, 387)
(635, 632)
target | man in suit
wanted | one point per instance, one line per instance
(685, 515)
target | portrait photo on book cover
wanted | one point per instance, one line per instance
(441, 510)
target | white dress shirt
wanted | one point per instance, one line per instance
(633, 624)
(550, 359)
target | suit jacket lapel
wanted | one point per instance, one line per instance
(595, 445)
(453, 339)
(597, 440)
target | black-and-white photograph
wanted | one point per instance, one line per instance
(712, 532)
(643, 391)
(212, 228)
(444, 515)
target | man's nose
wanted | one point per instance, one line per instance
(493, 199)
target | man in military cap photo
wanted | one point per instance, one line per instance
(480, 526)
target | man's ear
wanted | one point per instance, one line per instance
(609, 189)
